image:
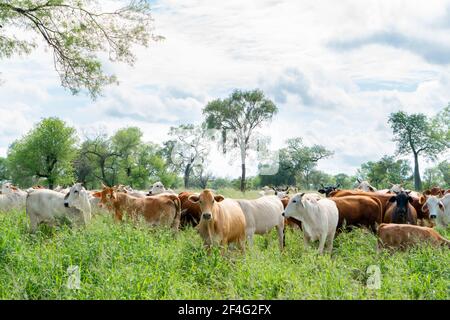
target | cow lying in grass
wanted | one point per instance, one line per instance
(402, 236)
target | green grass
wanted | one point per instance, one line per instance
(132, 261)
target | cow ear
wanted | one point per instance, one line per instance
(194, 198)
(97, 195)
(219, 198)
(321, 191)
(422, 200)
(393, 199)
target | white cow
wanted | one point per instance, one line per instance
(262, 215)
(319, 218)
(47, 206)
(12, 198)
(365, 186)
(130, 191)
(439, 209)
(266, 191)
(158, 188)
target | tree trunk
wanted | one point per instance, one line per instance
(243, 178)
(187, 173)
(417, 181)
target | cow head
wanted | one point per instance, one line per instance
(77, 197)
(402, 201)
(157, 188)
(328, 189)
(396, 188)
(365, 186)
(206, 201)
(294, 207)
(107, 197)
(434, 205)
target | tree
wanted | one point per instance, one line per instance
(100, 153)
(125, 143)
(444, 167)
(386, 171)
(47, 152)
(432, 177)
(76, 32)
(4, 175)
(237, 117)
(187, 150)
(302, 159)
(344, 180)
(416, 134)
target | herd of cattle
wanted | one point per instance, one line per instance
(399, 217)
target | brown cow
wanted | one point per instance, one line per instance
(435, 191)
(163, 209)
(403, 235)
(190, 212)
(384, 198)
(400, 210)
(222, 221)
(358, 211)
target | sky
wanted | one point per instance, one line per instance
(335, 69)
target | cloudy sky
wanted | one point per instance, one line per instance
(335, 69)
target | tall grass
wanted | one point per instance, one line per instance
(132, 261)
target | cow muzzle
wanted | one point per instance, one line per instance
(283, 214)
(433, 216)
(207, 216)
(66, 204)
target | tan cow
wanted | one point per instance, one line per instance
(222, 221)
(404, 235)
(164, 209)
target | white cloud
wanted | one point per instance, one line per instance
(338, 98)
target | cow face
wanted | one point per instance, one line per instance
(434, 205)
(328, 189)
(294, 206)
(206, 201)
(8, 188)
(107, 196)
(365, 186)
(157, 188)
(402, 201)
(77, 197)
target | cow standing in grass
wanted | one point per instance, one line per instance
(319, 218)
(51, 207)
(222, 221)
(262, 215)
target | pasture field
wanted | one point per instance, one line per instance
(132, 261)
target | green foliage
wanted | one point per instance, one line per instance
(386, 171)
(444, 167)
(76, 32)
(122, 159)
(132, 261)
(4, 175)
(296, 164)
(419, 135)
(46, 152)
(237, 117)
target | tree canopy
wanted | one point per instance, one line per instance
(76, 32)
(46, 152)
(237, 117)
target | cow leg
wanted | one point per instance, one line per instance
(281, 239)
(330, 240)
(118, 215)
(306, 239)
(322, 240)
(33, 223)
